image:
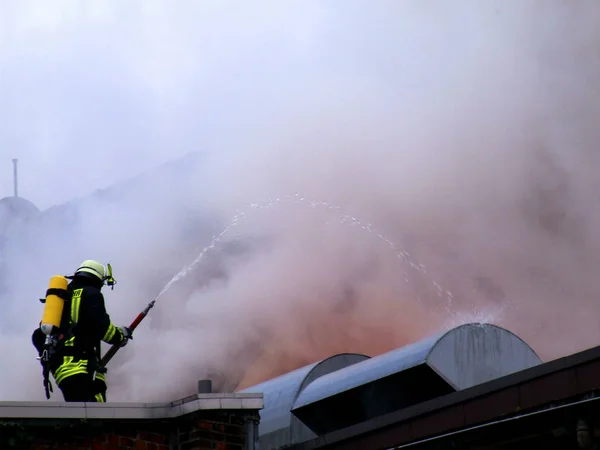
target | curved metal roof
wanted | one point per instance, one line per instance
(13, 209)
(375, 368)
(462, 357)
(18, 205)
(476, 353)
(280, 393)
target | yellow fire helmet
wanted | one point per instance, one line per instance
(98, 270)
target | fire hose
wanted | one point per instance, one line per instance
(115, 348)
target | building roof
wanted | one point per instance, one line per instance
(348, 389)
(277, 425)
(146, 186)
(540, 392)
(115, 410)
(18, 205)
(465, 356)
(13, 210)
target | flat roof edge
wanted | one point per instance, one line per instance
(129, 411)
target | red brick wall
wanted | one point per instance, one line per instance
(130, 441)
(86, 437)
(104, 442)
(225, 433)
(208, 430)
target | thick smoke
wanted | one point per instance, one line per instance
(465, 134)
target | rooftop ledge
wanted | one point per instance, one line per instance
(134, 411)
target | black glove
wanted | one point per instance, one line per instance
(127, 335)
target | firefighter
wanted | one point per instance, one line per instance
(76, 364)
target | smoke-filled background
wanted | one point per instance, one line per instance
(463, 136)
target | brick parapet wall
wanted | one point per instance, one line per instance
(56, 434)
(203, 430)
(226, 430)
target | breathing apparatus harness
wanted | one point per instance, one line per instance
(58, 335)
(53, 340)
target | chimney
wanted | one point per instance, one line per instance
(16, 184)
(204, 386)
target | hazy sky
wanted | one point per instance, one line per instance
(97, 91)
(466, 132)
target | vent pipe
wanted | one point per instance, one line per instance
(204, 386)
(15, 179)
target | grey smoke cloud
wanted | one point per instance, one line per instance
(466, 133)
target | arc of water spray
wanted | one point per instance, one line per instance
(346, 218)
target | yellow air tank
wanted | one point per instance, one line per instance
(54, 304)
